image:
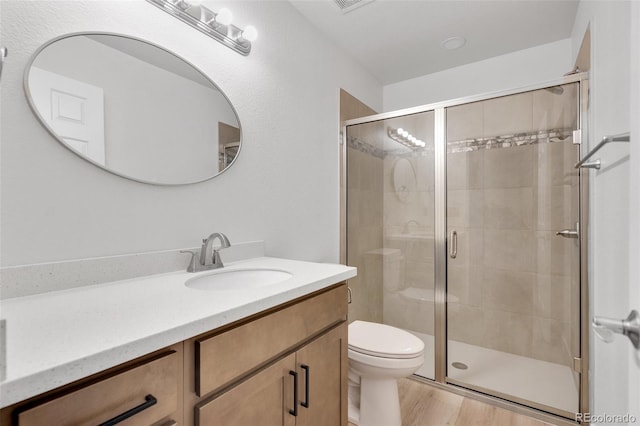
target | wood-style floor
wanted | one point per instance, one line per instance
(424, 405)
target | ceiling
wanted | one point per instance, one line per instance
(400, 39)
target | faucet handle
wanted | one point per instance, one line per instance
(217, 262)
(193, 263)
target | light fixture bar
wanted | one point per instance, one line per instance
(405, 138)
(229, 35)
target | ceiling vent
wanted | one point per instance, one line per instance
(347, 6)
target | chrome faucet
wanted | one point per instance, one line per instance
(201, 260)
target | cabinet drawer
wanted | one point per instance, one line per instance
(115, 395)
(222, 358)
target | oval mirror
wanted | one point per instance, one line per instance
(133, 108)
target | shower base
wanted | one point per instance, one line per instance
(524, 378)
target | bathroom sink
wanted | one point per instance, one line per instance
(237, 279)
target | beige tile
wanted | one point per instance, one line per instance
(465, 170)
(418, 274)
(465, 323)
(464, 208)
(553, 208)
(371, 209)
(420, 250)
(507, 331)
(408, 314)
(508, 115)
(509, 167)
(425, 172)
(354, 206)
(465, 122)
(510, 250)
(510, 291)
(555, 298)
(552, 341)
(508, 208)
(555, 110)
(353, 168)
(371, 173)
(368, 238)
(466, 284)
(555, 254)
(555, 163)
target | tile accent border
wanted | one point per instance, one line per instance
(466, 145)
(365, 147)
(27, 280)
(509, 141)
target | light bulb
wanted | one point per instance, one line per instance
(400, 131)
(250, 33)
(224, 16)
(405, 133)
(413, 139)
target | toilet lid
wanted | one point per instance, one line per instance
(383, 340)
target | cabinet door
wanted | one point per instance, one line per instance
(264, 399)
(322, 370)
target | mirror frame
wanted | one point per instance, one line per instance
(35, 111)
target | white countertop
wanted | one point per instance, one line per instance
(55, 338)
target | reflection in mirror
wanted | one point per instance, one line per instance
(133, 108)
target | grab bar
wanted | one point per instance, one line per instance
(623, 137)
(3, 54)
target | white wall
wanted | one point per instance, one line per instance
(283, 189)
(513, 70)
(610, 77)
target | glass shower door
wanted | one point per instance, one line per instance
(513, 283)
(390, 224)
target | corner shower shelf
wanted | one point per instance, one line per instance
(622, 137)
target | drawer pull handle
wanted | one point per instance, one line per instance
(149, 401)
(295, 393)
(306, 386)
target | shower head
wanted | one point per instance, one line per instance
(556, 90)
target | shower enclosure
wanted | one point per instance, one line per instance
(464, 221)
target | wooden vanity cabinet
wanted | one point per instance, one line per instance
(284, 367)
(146, 391)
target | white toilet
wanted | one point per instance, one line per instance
(378, 356)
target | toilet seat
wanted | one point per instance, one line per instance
(380, 340)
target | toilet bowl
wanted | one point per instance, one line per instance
(378, 356)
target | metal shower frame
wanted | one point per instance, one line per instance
(440, 245)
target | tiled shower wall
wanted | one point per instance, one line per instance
(511, 185)
(516, 282)
(364, 215)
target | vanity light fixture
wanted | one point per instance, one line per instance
(215, 25)
(405, 138)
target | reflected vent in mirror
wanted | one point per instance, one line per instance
(347, 6)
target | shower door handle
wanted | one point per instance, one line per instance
(453, 240)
